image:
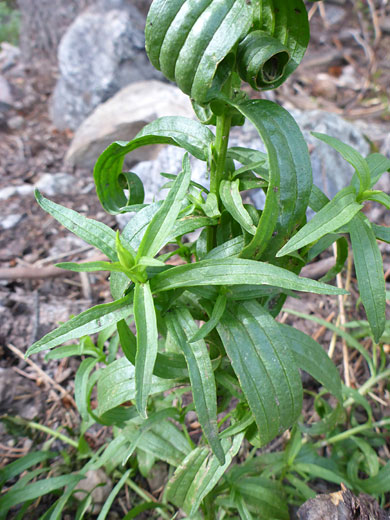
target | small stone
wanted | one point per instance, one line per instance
(15, 122)
(8, 192)
(92, 483)
(9, 56)
(56, 184)
(5, 92)
(11, 221)
(158, 476)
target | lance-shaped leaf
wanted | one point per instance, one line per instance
(352, 156)
(163, 221)
(369, 273)
(116, 385)
(290, 176)
(182, 327)
(88, 322)
(381, 232)
(312, 358)
(216, 315)
(231, 199)
(93, 232)
(147, 344)
(191, 42)
(198, 474)
(338, 212)
(177, 131)
(236, 271)
(264, 365)
(167, 365)
(377, 164)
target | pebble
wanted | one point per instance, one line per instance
(11, 221)
(15, 122)
(52, 184)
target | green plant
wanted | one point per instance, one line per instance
(9, 24)
(241, 365)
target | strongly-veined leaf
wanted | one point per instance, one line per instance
(116, 385)
(286, 21)
(147, 344)
(93, 232)
(338, 212)
(236, 271)
(377, 164)
(198, 474)
(190, 42)
(312, 358)
(157, 418)
(88, 322)
(262, 496)
(81, 386)
(19, 466)
(167, 366)
(163, 221)
(352, 156)
(231, 199)
(216, 315)
(369, 273)
(177, 131)
(264, 365)
(35, 490)
(182, 327)
(290, 176)
(377, 196)
(381, 232)
(189, 224)
(230, 248)
(323, 244)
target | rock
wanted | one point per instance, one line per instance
(122, 117)
(98, 484)
(11, 221)
(9, 56)
(15, 122)
(158, 476)
(56, 184)
(6, 99)
(11, 191)
(101, 52)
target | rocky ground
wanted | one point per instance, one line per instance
(346, 71)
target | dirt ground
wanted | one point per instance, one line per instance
(346, 71)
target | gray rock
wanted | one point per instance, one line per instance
(6, 99)
(11, 221)
(101, 52)
(56, 184)
(11, 191)
(9, 56)
(122, 117)
(98, 484)
(15, 122)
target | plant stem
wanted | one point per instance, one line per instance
(357, 429)
(45, 429)
(217, 167)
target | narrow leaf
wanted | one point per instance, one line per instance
(182, 326)
(350, 155)
(338, 212)
(231, 199)
(369, 273)
(93, 232)
(88, 322)
(147, 344)
(236, 271)
(216, 315)
(178, 131)
(264, 365)
(163, 221)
